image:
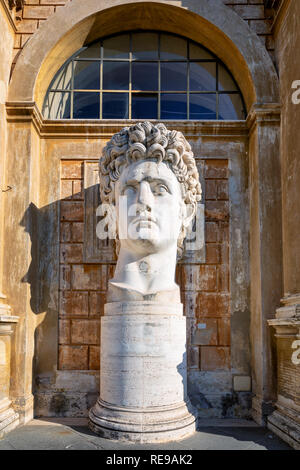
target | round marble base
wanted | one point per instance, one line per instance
(161, 424)
(143, 376)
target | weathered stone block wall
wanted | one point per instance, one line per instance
(215, 292)
(35, 12)
(6, 49)
(30, 18)
(288, 58)
(82, 382)
(257, 16)
(288, 371)
(82, 286)
(204, 287)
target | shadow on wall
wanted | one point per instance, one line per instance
(192, 404)
(38, 223)
(68, 296)
(42, 225)
(67, 336)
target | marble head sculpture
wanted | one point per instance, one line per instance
(149, 174)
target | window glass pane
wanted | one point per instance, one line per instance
(165, 88)
(117, 47)
(64, 79)
(231, 107)
(172, 47)
(145, 76)
(86, 105)
(173, 76)
(86, 75)
(144, 106)
(198, 52)
(91, 52)
(226, 83)
(115, 75)
(145, 46)
(203, 106)
(115, 106)
(173, 106)
(203, 76)
(57, 106)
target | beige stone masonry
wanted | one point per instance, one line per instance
(285, 421)
(9, 419)
(265, 250)
(35, 12)
(45, 144)
(235, 46)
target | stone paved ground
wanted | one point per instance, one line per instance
(73, 434)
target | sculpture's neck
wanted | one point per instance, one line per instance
(146, 274)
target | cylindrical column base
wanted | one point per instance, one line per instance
(142, 425)
(143, 378)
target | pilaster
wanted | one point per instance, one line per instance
(285, 420)
(20, 256)
(265, 250)
(9, 419)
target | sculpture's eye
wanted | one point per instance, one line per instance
(161, 189)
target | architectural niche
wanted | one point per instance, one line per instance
(251, 172)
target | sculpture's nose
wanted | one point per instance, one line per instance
(145, 196)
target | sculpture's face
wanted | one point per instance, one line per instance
(153, 209)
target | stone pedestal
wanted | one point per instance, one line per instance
(8, 418)
(285, 420)
(143, 378)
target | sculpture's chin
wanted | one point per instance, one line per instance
(146, 244)
(145, 233)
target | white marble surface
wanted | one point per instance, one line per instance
(143, 390)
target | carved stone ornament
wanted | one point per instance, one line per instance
(149, 175)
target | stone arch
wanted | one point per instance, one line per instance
(215, 26)
(222, 31)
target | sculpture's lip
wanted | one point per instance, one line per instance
(143, 219)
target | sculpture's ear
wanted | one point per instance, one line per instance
(189, 212)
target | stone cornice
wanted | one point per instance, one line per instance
(290, 309)
(286, 327)
(287, 320)
(291, 300)
(263, 114)
(293, 321)
(71, 128)
(8, 319)
(24, 112)
(5, 310)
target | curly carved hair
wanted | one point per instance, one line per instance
(143, 141)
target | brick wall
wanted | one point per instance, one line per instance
(35, 12)
(204, 288)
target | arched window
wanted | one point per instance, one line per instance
(144, 75)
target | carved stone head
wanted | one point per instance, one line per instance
(155, 169)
